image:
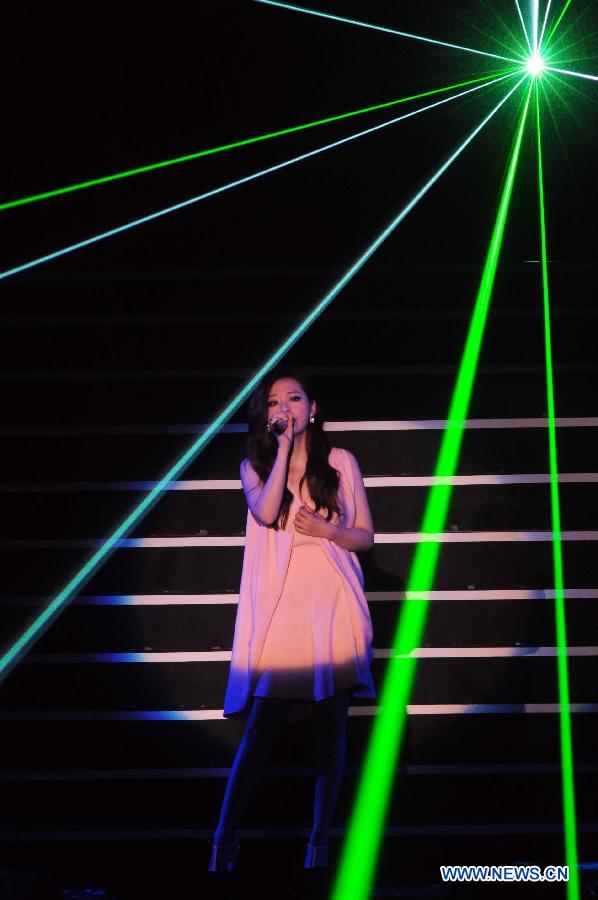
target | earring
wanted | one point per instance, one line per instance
(312, 419)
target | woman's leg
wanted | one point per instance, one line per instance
(329, 728)
(263, 724)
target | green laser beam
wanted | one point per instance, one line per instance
(364, 834)
(575, 27)
(151, 167)
(150, 217)
(404, 34)
(558, 22)
(567, 771)
(55, 607)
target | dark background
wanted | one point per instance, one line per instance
(93, 88)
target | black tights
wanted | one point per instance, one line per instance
(328, 728)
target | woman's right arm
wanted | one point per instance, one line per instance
(264, 498)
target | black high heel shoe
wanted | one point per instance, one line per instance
(316, 856)
(224, 856)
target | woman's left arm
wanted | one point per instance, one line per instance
(361, 535)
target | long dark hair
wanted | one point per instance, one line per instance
(322, 479)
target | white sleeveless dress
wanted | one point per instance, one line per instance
(309, 651)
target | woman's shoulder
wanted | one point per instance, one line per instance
(341, 453)
(341, 458)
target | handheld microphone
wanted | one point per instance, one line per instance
(278, 426)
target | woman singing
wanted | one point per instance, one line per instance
(303, 631)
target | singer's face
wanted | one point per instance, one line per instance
(287, 396)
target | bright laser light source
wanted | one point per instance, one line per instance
(222, 148)
(169, 209)
(567, 771)
(55, 607)
(373, 794)
(535, 64)
(405, 34)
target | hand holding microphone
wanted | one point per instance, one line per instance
(281, 426)
(277, 426)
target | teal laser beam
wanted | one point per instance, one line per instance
(403, 34)
(535, 23)
(55, 607)
(56, 254)
(151, 167)
(569, 72)
(523, 26)
(566, 741)
(362, 843)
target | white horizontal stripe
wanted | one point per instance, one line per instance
(482, 595)
(482, 652)
(110, 715)
(441, 424)
(131, 600)
(372, 597)
(157, 600)
(200, 715)
(232, 484)
(461, 480)
(205, 656)
(85, 430)
(471, 537)
(222, 484)
(440, 709)
(191, 541)
(178, 656)
(123, 543)
(237, 428)
(402, 537)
